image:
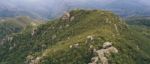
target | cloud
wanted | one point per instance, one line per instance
(145, 2)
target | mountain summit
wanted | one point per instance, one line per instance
(78, 37)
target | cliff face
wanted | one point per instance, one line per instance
(79, 37)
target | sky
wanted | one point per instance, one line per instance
(61, 3)
(58, 6)
(53, 4)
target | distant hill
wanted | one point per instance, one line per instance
(127, 8)
(139, 20)
(9, 26)
(78, 37)
(49, 9)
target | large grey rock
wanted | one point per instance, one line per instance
(66, 16)
(103, 53)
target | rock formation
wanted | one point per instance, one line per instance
(31, 60)
(74, 45)
(102, 54)
(66, 16)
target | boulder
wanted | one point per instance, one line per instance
(34, 31)
(90, 37)
(53, 37)
(66, 16)
(94, 60)
(107, 44)
(72, 18)
(36, 60)
(74, 46)
(102, 54)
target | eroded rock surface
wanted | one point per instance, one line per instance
(32, 60)
(102, 55)
(66, 16)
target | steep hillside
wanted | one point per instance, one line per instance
(79, 37)
(140, 24)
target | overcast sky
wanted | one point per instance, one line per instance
(45, 6)
(60, 3)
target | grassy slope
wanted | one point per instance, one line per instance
(57, 51)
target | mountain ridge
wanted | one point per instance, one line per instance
(72, 38)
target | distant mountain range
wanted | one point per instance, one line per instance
(8, 26)
(52, 9)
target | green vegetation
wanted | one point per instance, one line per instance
(9, 26)
(50, 43)
(140, 21)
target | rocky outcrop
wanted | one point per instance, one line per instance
(74, 46)
(6, 39)
(32, 60)
(10, 38)
(90, 39)
(67, 17)
(54, 36)
(102, 55)
(33, 31)
(116, 28)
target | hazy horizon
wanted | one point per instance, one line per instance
(55, 7)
